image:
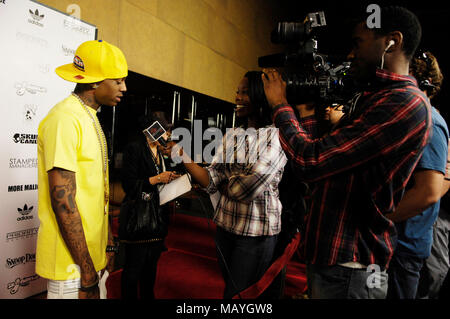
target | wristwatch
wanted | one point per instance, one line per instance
(112, 249)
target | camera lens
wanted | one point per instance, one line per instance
(287, 32)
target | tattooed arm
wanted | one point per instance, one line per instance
(62, 185)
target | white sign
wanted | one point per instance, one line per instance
(35, 40)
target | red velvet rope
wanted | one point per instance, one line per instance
(258, 288)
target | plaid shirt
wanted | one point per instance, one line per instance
(249, 204)
(359, 171)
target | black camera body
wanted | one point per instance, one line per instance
(310, 76)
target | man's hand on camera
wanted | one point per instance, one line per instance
(274, 87)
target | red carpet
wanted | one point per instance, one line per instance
(189, 269)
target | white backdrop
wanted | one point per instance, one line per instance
(35, 39)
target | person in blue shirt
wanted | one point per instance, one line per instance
(419, 207)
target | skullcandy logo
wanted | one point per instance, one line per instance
(25, 138)
(78, 63)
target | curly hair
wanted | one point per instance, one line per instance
(427, 69)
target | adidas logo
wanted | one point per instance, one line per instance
(24, 212)
(36, 17)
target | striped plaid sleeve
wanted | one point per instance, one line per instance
(250, 183)
(389, 121)
(217, 175)
(216, 170)
(309, 124)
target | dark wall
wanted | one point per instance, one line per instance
(335, 38)
(145, 95)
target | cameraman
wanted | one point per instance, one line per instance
(360, 170)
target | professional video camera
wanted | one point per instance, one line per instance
(309, 75)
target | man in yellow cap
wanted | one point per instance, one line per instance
(74, 235)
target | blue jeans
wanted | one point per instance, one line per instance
(338, 282)
(247, 259)
(404, 274)
(436, 266)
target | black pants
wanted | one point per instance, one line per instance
(247, 259)
(404, 274)
(140, 269)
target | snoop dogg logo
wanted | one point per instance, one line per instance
(14, 286)
(36, 17)
(22, 260)
(25, 138)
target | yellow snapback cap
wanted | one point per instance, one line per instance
(95, 61)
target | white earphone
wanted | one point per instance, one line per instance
(391, 43)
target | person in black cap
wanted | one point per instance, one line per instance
(144, 174)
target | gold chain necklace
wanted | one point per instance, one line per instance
(103, 147)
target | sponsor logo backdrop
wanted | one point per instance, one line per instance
(36, 39)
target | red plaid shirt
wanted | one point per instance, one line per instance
(359, 171)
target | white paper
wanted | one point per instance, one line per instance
(174, 189)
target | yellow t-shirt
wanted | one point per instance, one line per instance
(67, 139)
